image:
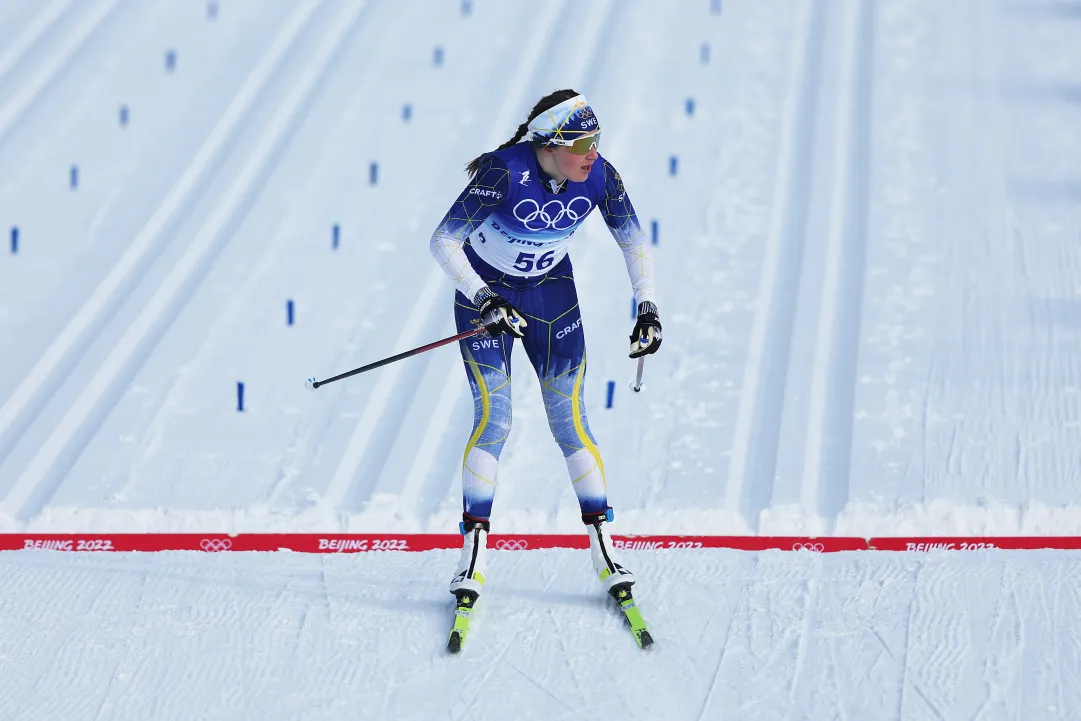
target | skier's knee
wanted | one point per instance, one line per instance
(492, 435)
(571, 437)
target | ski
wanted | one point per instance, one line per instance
(621, 594)
(463, 614)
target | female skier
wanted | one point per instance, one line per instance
(504, 244)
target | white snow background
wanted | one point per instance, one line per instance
(869, 266)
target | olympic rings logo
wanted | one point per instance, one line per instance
(515, 544)
(553, 214)
(214, 545)
(816, 547)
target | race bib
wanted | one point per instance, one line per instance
(533, 237)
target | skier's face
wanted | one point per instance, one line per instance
(574, 167)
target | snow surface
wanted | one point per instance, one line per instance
(771, 635)
(870, 278)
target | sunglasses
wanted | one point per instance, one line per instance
(581, 146)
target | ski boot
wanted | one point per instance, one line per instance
(473, 564)
(614, 575)
(468, 579)
(605, 561)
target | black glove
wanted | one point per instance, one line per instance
(499, 316)
(646, 336)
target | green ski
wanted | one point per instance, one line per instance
(463, 614)
(625, 600)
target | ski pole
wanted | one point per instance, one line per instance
(637, 387)
(312, 384)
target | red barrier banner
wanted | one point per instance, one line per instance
(973, 543)
(114, 541)
(219, 542)
(822, 544)
(364, 542)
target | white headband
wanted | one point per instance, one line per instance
(564, 123)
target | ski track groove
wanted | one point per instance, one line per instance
(760, 413)
(724, 651)
(400, 381)
(544, 690)
(825, 488)
(20, 409)
(215, 333)
(905, 646)
(45, 471)
(1056, 613)
(583, 696)
(945, 662)
(33, 32)
(23, 98)
(501, 651)
(224, 321)
(123, 658)
(906, 680)
(810, 599)
(836, 663)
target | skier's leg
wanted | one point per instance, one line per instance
(487, 364)
(557, 350)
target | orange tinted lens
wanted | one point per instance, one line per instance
(582, 146)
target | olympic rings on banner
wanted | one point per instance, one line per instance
(553, 214)
(816, 547)
(214, 545)
(514, 544)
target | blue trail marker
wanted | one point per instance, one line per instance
(289, 312)
(14, 240)
(373, 173)
(240, 396)
(123, 115)
(335, 233)
(170, 60)
(407, 112)
(653, 229)
(437, 55)
(74, 177)
(673, 165)
(689, 105)
(611, 394)
(704, 53)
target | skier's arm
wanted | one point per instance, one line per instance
(621, 220)
(484, 192)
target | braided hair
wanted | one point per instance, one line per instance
(548, 101)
